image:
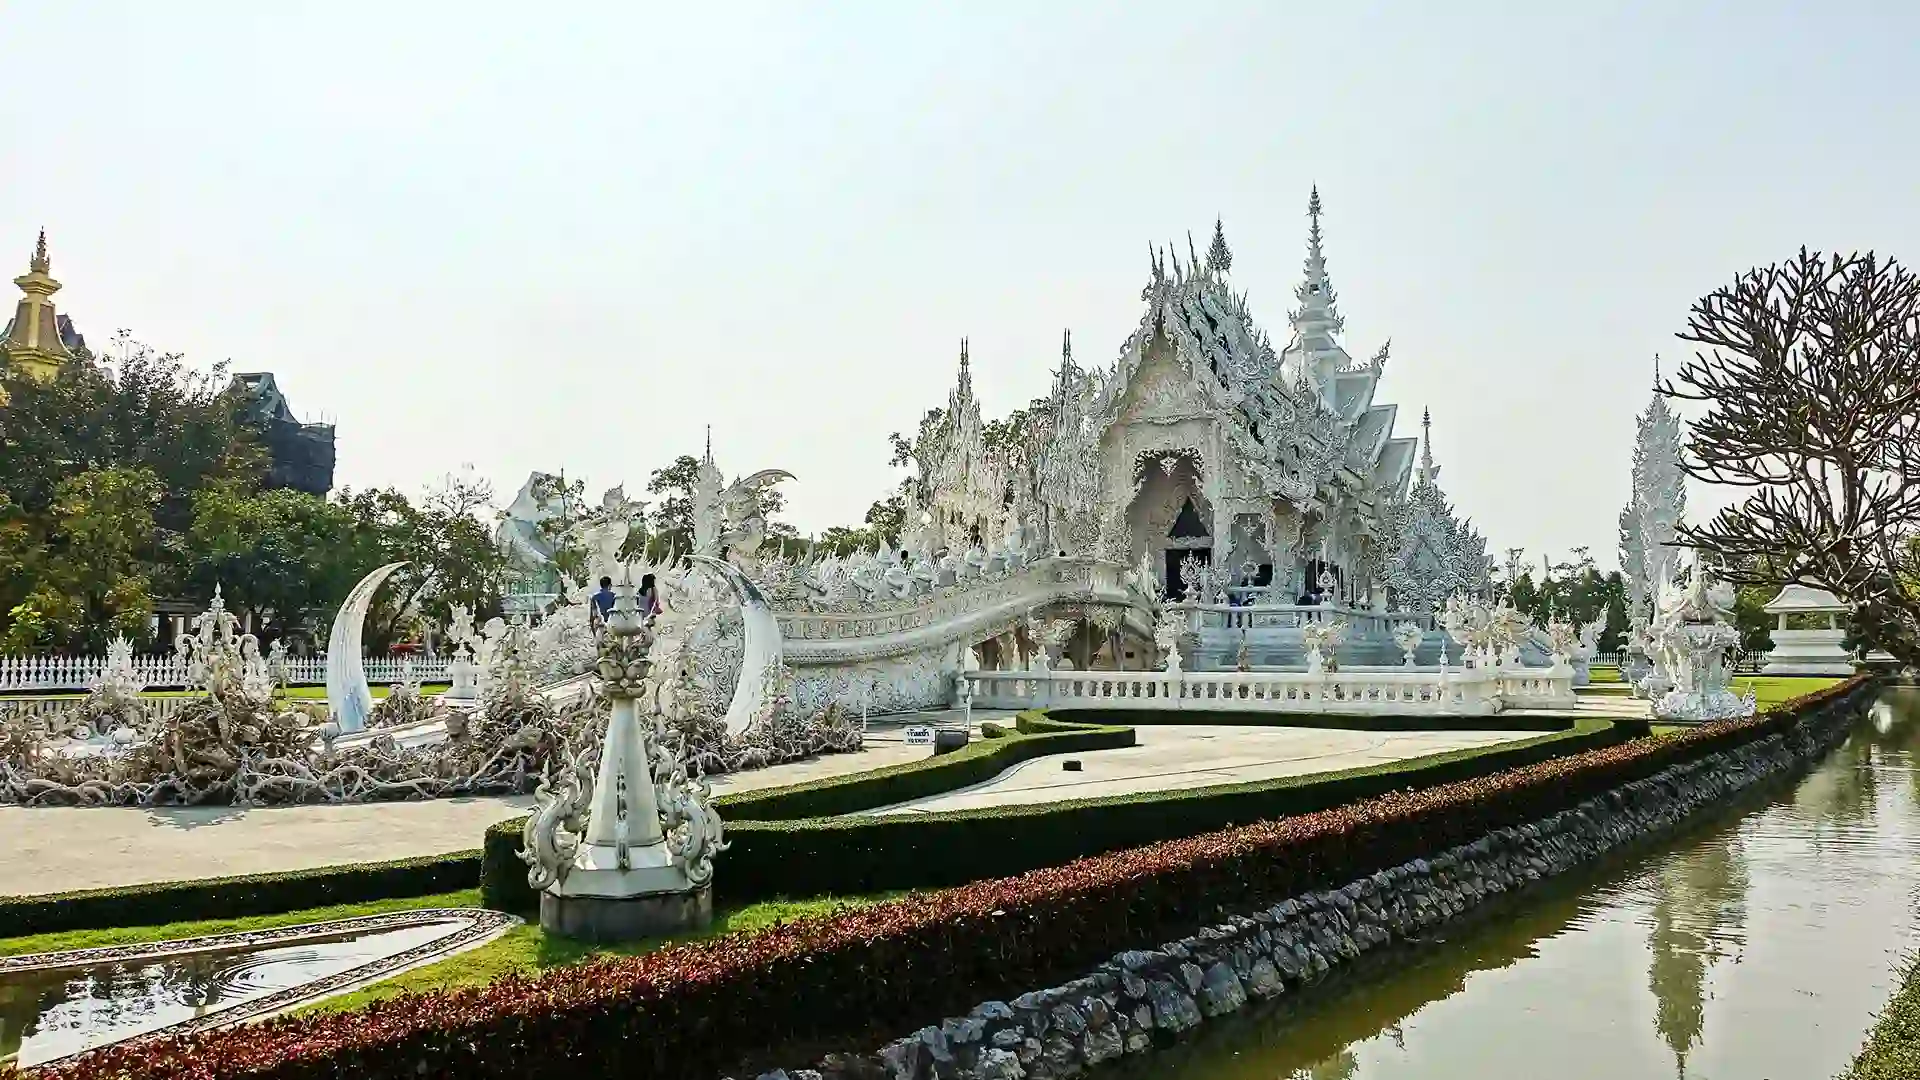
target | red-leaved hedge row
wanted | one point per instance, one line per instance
(703, 1009)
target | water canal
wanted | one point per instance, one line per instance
(1759, 944)
(50, 1013)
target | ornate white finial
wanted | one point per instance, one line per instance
(1426, 444)
(709, 458)
(1219, 259)
(1656, 372)
(1066, 346)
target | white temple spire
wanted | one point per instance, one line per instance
(1427, 469)
(1219, 259)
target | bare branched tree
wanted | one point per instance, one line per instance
(1810, 371)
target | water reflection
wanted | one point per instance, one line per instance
(50, 1014)
(1698, 920)
(1759, 944)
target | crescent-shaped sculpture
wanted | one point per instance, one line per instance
(348, 697)
(761, 649)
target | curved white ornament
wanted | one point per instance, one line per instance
(760, 658)
(348, 698)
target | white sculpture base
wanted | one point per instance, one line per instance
(1808, 652)
(599, 919)
(466, 685)
(598, 901)
(1699, 707)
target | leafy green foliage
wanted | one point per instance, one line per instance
(1577, 592)
(98, 470)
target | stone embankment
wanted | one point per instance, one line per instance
(1143, 998)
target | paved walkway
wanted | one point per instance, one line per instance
(1173, 758)
(59, 849)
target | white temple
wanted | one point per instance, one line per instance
(1279, 469)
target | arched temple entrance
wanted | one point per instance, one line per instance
(1170, 516)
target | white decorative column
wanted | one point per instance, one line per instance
(642, 866)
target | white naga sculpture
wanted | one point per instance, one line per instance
(625, 849)
(1691, 635)
(349, 699)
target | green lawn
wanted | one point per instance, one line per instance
(523, 949)
(527, 949)
(1774, 689)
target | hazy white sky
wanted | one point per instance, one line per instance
(571, 236)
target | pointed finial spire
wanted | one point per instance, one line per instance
(709, 458)
(964, 363)
(1426, 444)
(1219, 259)
(1193, 257)
(1066, 345)
(1656, 371)
(40, 264)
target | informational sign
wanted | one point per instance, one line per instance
(919, 735)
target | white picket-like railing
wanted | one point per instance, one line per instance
(48, 709)
(165, 671)
(1454, 692)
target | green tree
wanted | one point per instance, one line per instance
(94, 579)
(288, 557)
(673, 513)
(672, 520)
(447, 545)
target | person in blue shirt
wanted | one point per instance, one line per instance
(603, 600)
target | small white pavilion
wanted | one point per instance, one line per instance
(1814, 651)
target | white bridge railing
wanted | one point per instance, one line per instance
(1394, 691)
(165, 671)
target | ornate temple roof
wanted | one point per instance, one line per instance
(37, 338)
(1293, 417)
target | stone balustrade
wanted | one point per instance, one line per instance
(167, 671)
(1356, 691)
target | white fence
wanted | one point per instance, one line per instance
(1454, 692)
(50, 709)
(1746, 663)
(165, 671)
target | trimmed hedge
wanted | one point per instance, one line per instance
(777, 851)
(503, 876)
(711, 1007)
(236, 897)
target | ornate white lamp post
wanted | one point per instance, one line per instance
(629, 853)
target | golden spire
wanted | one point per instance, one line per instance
(39, 263)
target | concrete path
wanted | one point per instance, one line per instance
(59, 849)
(1172, 758)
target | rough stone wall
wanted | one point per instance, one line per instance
(1144, 997)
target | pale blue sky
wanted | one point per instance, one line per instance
(571, 235)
